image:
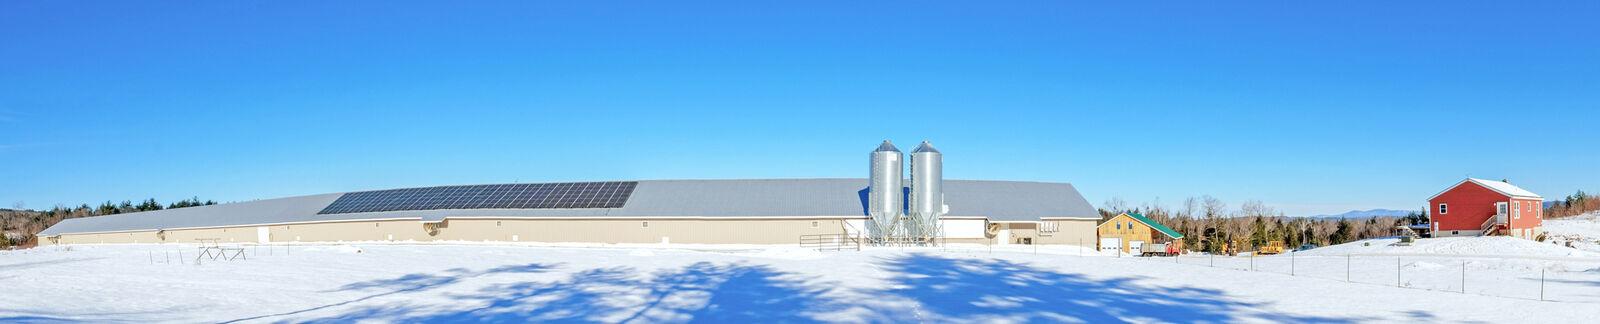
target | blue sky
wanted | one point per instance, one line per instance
(1313, 108)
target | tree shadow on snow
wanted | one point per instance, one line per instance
(702, 292)
(964, 290)
(407, 283)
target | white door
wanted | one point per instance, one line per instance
(1110, 244)
(1005, 235)
(262, 235)
(1134, 246)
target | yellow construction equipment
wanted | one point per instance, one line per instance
(1272, 247)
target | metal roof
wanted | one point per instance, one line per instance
(886, 147)
(996, 200)
(1501, 187)
(925, 148)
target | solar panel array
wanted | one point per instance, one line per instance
(501, 196)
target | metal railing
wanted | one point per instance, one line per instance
(830, 242)
(1490, 224)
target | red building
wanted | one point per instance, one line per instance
(1476, 207)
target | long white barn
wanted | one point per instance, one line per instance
(766, 211)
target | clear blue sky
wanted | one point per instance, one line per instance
(1311, 107)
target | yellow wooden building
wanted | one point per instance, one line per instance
(1130, 231)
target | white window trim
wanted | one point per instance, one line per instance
(1444, 208)
(1516, 210)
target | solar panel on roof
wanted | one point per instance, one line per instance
(503, 196)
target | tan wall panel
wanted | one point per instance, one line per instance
(396, 230)
(635, 231)
(1073, 232)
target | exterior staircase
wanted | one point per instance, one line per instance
(1494, 224)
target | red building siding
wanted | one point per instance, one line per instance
(1469, 205)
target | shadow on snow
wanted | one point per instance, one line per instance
(702, 292)
(920, 287)
(408, 283)
(967, 290)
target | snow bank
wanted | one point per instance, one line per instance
(1582, 231)
(337, 249)
(1496, 246)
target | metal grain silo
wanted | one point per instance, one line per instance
(927, 191)
(885, 195)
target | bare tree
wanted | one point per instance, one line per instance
(1190, 205)
(1116, 205)
(1213, 207)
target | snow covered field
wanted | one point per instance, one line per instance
(740, 284)
(1582, 230)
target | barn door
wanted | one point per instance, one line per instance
(1110, 244)
(262, 235)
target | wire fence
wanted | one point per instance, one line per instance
(200, 254)
(1547, 279)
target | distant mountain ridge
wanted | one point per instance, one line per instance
(1368, 213)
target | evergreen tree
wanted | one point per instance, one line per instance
(1343, 234)
(1259, 235)
(148, 205)
(106, 208)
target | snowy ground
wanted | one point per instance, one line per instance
(1582, 231)
(745, 284)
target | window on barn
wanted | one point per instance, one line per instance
(1048, 227)
(1119, 225)
(1443, 208)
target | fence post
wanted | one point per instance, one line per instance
(1213, 261)
(1253, 261)
(1347, 267)
(1397, 271)
(1463, 276)
(1541, 284)
(1291, 263)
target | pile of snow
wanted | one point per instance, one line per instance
(1582, 231)
(335, 248)
(1488, 246)
(789, 253)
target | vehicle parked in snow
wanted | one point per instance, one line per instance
(1158, 249)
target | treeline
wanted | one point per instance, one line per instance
(1575, 204)
(1207, 224)
(19, 226)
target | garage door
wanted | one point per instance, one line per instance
(1111, 244)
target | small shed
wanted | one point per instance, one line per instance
(1130, 231)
